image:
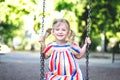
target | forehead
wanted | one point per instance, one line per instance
(61, 24)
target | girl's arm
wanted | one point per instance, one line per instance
(82, 52)
(42, 40)
(45, 56)
(43, 45)
(83, 49)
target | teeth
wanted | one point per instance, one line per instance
(60, 35)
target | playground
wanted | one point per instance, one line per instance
(19, 66)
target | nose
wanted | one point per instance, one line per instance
(60, 31)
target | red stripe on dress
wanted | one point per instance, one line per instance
(59, 66)
(52, 78)
(77, 76)
(65, 78)
(47, 49)
(69, 63)
(52, 61)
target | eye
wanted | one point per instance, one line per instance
(63, 29)
(57, 29)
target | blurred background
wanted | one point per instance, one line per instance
(20, 30)
(21, 21)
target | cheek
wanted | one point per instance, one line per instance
(53, 33)
(67, 33)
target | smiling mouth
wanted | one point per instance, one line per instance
(60, 35)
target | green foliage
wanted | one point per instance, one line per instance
(64, 5)
(105, 17)
(12, 13)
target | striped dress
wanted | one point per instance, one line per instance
(62, 65)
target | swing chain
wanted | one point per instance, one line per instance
(88, 33)
(89, 14)
(41, 54)
(43, 16)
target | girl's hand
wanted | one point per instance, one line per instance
(42, 39)
(87, 41)
(42, 42)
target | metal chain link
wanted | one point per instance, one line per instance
(88, 33)
(42, 75)
(89, 18)
(43, 16)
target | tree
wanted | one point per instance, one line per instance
(12, 13)
(104, 22)
(104, 18)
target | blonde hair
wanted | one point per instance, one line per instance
(57, 22)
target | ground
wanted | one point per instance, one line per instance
(27, 67)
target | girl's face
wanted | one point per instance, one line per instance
(60, 32)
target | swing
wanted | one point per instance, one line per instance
(41, 54)
(88, 33)
(42, 74)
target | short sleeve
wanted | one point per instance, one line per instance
(48, 50)
(75, 49)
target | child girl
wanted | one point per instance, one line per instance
(62, 52)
